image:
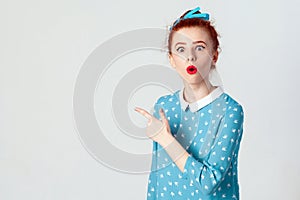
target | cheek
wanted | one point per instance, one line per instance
(179, 61)
(204, 65)
(179, 57)
(204, 70)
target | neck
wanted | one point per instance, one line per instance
(195, 92)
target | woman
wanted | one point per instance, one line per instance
(196, 131)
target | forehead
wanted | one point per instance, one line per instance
(191, 34)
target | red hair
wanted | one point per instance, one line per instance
(194, 22)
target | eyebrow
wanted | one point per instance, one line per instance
(196, 42)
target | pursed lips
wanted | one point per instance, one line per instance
(191, 69)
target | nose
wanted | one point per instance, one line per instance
(191, 57)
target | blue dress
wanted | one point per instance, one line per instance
(210, 130)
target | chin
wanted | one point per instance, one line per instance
(194, 81)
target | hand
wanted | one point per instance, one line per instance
(158, 131)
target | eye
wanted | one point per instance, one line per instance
(200, 48)
(180, 49)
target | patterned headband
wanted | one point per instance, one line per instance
(191, 14)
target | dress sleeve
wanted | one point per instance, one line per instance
(208, 173)
(152, 180)
(155, 144)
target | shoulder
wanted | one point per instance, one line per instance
(232, 105)
(166, 102)
(168, 99)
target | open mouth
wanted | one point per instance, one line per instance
(191, 69)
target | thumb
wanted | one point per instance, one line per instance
(163, 117)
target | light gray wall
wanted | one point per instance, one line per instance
(44, 45)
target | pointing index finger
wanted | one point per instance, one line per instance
(144, 113)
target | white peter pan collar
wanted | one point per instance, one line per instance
(195, 106)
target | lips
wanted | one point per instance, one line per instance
(191, 69)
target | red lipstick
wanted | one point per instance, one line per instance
(191, 69)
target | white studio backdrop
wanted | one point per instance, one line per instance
(44, 45)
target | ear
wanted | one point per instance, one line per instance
(171, 60)
(215, 57)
